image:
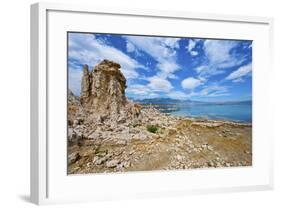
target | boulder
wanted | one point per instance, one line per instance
(74, 157)
(112, 163)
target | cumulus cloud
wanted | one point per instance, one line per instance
(162, 50)
(171, 42)
(130, 47)
(191, 44)
(179, 95)
(164, 89)
(191, 47)
(167, 69)
(155, 87)
(211, 91)
(190, 83)
(194, 53)
(218, 51)
(202, 68)
(74, 80)
(159, 84)
(220, 54)
(237, 75)
(140, 91)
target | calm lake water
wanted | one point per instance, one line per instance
(233, 112)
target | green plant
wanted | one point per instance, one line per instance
(152, 128)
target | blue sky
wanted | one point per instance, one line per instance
(178, 68)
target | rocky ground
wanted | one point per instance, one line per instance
(178, 143)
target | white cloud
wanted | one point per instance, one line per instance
(172, 76)
(167, 69)
(218, 51)
(163, 50)
(138, 89)
(74, 80)
(130, 47)
(190, 83)
(159, 87)
(211, 91)
(153, 89)
(201, 68)
(220, 55)
(239, 80)
(171, 42)
(194, 53)
(237, 75)
(86, 49)
(158, 48)
(156, 86)
(179, 95)
(191, 46)
(159, 84)
(218, 94)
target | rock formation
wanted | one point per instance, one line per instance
(102, 104)
(74, 107)
(103, 94)
(103, 89)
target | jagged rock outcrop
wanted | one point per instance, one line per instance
(74, 107)
(75, 118)
(103, 106)
(103, 93)
(103, 89)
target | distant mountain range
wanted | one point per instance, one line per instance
(170, 101)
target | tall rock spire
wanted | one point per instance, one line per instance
(85, 85)
(103, 89)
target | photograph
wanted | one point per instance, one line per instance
(157, 103)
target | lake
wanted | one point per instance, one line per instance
(241, 112)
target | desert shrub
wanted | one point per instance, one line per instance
(152, 128)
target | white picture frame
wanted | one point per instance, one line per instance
(49, 182)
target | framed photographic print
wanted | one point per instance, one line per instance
(132, 103)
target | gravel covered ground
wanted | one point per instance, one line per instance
(178, 143)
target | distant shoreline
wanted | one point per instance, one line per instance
(203, 119)
(206, 119)
(172, 109)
